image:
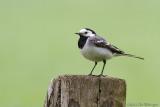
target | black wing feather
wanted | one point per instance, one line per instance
(103, 44)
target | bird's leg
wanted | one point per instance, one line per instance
(93, 68)
(104, 63)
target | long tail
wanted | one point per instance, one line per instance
(133, 56)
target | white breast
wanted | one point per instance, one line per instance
(95, 53)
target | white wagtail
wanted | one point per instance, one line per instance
(96, 48)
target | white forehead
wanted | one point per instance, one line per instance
(82, 30)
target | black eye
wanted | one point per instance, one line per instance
(85, 32)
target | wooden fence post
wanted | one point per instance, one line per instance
(86, 91)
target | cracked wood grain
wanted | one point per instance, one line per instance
(86, 91)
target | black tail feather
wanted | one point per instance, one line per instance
(129, 55)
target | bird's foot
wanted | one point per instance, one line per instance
(101, 75)
(91, 75)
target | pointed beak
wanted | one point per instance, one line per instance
(76, 33)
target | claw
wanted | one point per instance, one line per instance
(90, 74)
(101, 75)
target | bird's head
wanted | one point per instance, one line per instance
(86, 32)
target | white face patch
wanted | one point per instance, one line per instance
(82, 31)
(86, 32)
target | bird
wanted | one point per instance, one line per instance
(95, 48)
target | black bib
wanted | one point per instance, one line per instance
(81, 42)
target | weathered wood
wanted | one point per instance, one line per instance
(86, 91)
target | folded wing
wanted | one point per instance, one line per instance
(102, 43)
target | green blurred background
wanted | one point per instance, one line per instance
(37, 43)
